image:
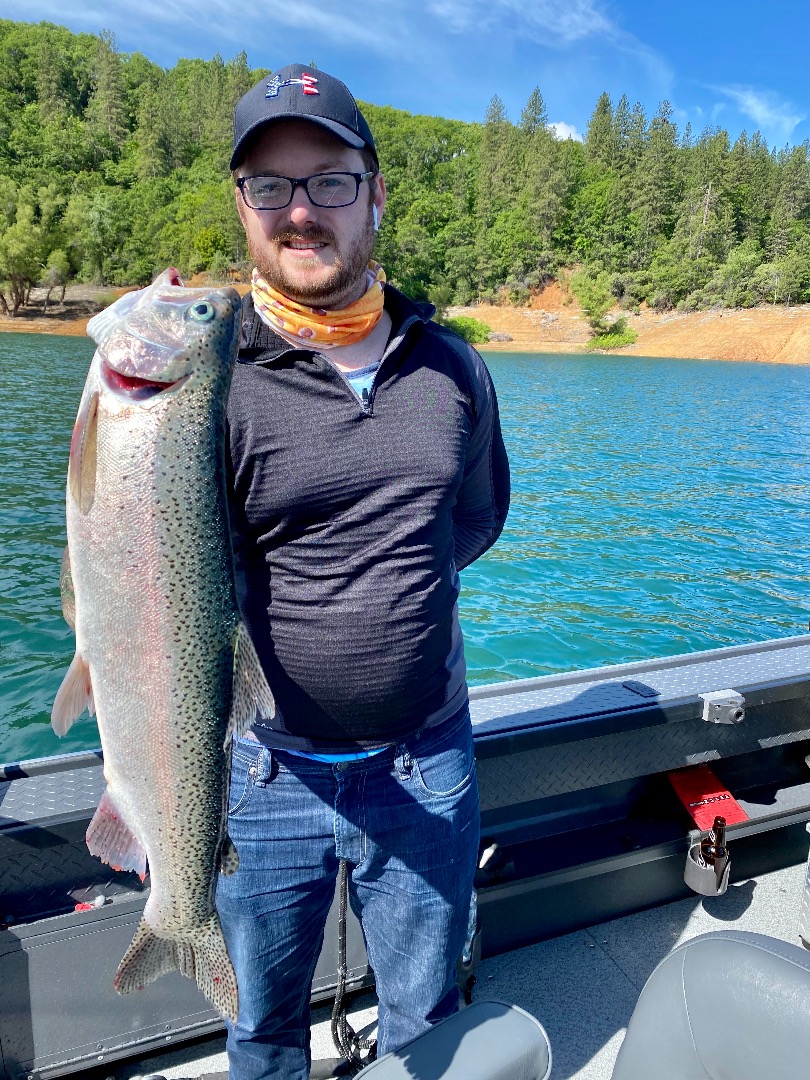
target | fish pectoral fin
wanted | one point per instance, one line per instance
(229, 858)
(83, 457)
(203, 958)
(67, 591)
(251, 694)
(73, 696)
(110, 839)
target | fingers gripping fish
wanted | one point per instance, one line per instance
(162, 656)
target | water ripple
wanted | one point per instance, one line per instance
(659, 506)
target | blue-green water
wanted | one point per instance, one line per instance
(659, 506)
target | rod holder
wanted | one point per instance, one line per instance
(703, 879)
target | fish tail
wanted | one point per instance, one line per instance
(204, 959)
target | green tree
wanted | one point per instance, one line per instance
(789, 218)
(56, 276)
(123, 166)
(595, 297)
(786, 279)
(733, 282)
(601, 143)
(97, 222)
(497, 184)
(155, 147)
(655, 189)
(106, 113)
(21, 253)
(534, 117)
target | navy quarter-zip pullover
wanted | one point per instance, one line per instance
(350, 520)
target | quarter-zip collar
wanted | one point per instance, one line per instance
(261, 345)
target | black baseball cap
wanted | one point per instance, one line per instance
(298, 92)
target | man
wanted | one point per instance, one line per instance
(367, 469)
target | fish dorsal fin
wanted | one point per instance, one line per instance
(251, 694)
(73, 696)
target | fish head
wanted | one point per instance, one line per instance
(165, 337)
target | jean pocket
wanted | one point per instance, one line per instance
(243, 781)
(447, 768)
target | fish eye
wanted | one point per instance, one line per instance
(202, 311)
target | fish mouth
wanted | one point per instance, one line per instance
(134, 387)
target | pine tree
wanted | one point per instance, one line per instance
(791, 208)
(656, 188)
(496, 187)
(154, 150)
(495, 182)
(600, 138)
(534, 117)
(106, 113)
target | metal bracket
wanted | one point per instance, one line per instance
(723, 707)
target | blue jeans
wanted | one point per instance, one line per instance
(407, 820)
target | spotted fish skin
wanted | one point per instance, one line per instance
(161, 652)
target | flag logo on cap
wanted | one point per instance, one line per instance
(307, 82)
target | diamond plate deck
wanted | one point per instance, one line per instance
(50, 796)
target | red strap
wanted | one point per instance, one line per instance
(704, 797)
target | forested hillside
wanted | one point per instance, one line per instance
(112, 168)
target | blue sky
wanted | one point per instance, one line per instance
(736, 65)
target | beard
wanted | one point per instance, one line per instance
(330, 287)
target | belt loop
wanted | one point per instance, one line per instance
(264, 767)
(403, 762)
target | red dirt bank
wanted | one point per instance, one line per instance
(552, 323)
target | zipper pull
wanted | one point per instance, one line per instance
(365, 397)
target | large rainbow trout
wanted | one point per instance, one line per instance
(162, 656)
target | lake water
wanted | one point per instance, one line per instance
(659, 507)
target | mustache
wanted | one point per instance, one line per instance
(314, 236)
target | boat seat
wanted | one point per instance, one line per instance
(485, 1041)
(730, 1005)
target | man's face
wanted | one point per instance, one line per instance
(314, 255)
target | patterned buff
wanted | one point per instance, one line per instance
(317, 325)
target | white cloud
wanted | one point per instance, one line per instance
(564, 22)
(565, 131)
(415, 30)
(360, 23)
(425, 40)
(718, 108)
(550, 23)
(187, 22)
(772, 114)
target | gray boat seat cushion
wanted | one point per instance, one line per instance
(723, 1006)
(485, 1041)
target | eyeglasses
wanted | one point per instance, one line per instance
(327, 189)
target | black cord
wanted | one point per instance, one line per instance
(345, 1038)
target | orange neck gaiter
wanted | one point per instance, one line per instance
(316, 325)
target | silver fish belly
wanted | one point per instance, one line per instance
(161, 653)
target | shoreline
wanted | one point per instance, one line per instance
(552, 323)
